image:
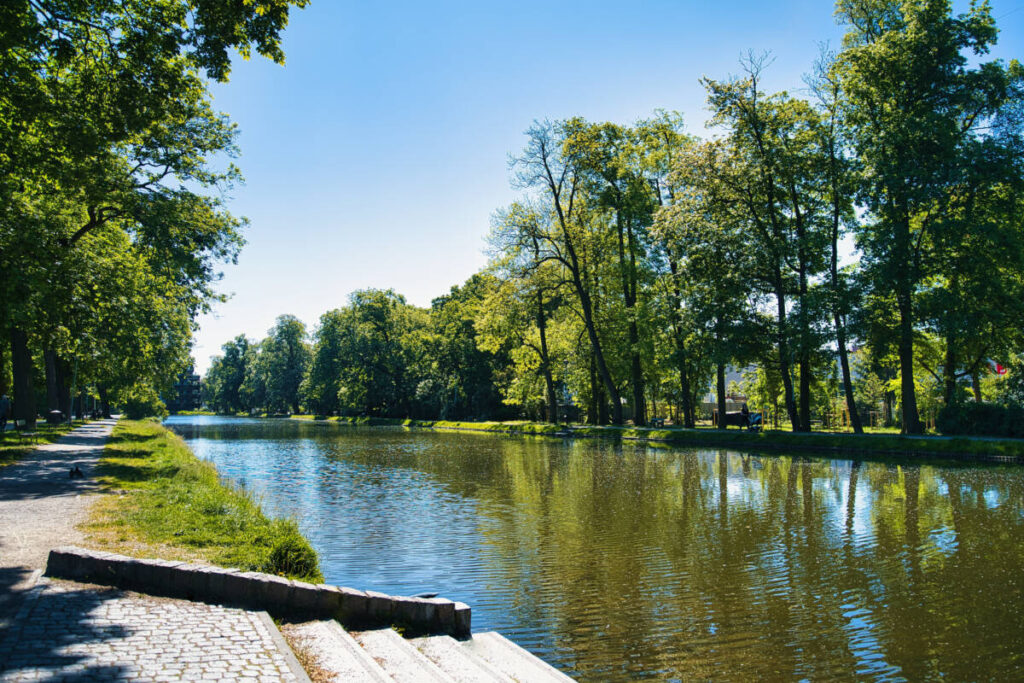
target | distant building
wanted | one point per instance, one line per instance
(186, 394)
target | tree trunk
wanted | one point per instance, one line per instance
(686, 401)
(783, 344)
(976, 385)
(4, 389)
(805, 391)
(24, 405)
(720, 394)
(844, 366)
(908, 399)
(593, 414)
(52, 394)
(904, 302)
(64, 378)
(104, 403)
(628, 271)
(804, 351)
(949, 372)
(545, 361)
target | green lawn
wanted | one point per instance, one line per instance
(166, 502)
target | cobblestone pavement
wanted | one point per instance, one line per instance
(67, 631)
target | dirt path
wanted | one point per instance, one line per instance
(40, 504)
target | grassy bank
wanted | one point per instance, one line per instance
(170, 504)
(771, 440)
(13, 447)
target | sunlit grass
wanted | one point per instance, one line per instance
(168, 503)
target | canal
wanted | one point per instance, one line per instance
(623, 561)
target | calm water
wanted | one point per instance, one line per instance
(621, 562)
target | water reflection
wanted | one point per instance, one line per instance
(621, 561)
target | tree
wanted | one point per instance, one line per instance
(544, 167)
(461, 363)
(776, 197)
(285, 357)
(608, 157)
(104, 107)
(223, 382)
(916, 111)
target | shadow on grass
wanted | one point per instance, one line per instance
(134, 472)
(129, 437)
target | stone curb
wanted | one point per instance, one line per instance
(252, 590)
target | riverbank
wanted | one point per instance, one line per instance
(172, 505)
(890, 445)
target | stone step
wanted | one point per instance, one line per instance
(449, 655)
(399, 658)
(337, 652)
(502, 654)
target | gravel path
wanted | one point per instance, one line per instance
(40, 505)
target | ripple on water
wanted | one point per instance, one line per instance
(617, 562)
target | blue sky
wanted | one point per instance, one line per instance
(376, 155)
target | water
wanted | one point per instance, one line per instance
(628, 562)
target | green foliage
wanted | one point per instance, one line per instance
(981, 419)
(109, 247)
(143, 402)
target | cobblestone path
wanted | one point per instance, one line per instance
(70, 631)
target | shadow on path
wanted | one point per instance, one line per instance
(55, 635)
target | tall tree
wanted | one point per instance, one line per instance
(915, 107)
(544, 167)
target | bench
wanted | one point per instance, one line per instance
(656, 422)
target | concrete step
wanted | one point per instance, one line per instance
(502, 654)
(399, 658)
(448, 654)
(338, 653)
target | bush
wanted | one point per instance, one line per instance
(981, 419)
(143, 402)
(292, 556)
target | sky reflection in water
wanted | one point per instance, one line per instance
(622, 562)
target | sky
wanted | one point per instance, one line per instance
(377, 154)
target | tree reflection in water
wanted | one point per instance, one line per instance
(623, 561)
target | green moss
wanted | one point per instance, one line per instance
(176, 500)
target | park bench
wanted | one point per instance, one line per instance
(657, 422)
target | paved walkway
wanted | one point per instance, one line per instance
(40, 505)
(53, 630)
(70, 631)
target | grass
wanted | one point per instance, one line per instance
(170, 504)
(877, 441)
(13, 447)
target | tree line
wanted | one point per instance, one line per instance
(111, 220)
(642, 261)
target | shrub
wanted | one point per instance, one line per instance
(981, 419)
(292, 556)
(143, 402)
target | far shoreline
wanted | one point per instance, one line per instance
(930, 448)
